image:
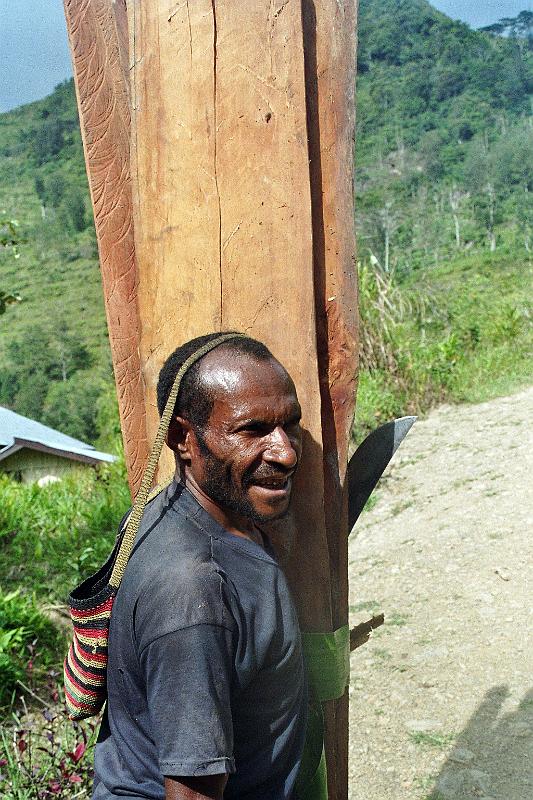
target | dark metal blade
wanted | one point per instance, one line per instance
(368, 463)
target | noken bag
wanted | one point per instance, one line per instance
(91, 603)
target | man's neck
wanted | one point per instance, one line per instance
(233, 523)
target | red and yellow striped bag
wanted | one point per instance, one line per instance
(91, 603)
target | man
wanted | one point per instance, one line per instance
(206, 686)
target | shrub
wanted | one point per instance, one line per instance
(29, 642)
(53, 537)
(46, 756)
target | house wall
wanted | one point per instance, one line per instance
(31, 465)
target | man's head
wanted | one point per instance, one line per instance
(235, 429)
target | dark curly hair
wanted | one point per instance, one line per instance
(195, 401)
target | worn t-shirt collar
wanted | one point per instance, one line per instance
(184, 502)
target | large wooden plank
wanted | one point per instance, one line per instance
(223, 224)
(99, 44)
(243, 129)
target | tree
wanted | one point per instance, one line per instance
(72, 406)
(9, 239)
(72, 211)
(39, 362)
(520, 27)
(456, 198)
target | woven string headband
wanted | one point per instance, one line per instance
(142, 496)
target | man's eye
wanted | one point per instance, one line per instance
(255, 427)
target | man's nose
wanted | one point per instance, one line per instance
(281, 449)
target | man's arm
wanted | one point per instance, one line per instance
(208, 787)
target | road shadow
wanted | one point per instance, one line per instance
(493, 756)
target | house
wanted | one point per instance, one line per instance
(30, 451)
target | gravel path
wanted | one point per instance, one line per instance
(441, 698)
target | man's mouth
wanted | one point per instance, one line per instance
(275, 487)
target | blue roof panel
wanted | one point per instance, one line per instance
(15, 425)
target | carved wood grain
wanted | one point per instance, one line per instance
(99, 45)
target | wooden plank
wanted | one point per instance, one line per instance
(228, 116)
(223, 215)
(98, 41)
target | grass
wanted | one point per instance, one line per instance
(365, 605)
(46, 756)
(381, 653)
(29, 644)
(52, 537)
(460, 332)
(437, 740)
(396, 619)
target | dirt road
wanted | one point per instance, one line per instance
(442, 696)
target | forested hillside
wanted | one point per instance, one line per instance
(54, 359)
(444, 138)
(444, 220)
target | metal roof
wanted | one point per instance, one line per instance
(17, 431)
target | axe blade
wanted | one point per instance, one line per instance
(368, 463)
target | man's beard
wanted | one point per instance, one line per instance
(219, 486)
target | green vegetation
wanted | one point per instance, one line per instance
(25, 632)
(52, 537)
(460, 332)
(445, 208)
(46, 757)
(439, 740)
(444, 217)
(54, 352)
(444, 137)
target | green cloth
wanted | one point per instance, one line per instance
(327, 657)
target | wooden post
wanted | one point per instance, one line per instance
(242, 124)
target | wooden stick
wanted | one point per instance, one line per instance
(35, 696)
(361, 633)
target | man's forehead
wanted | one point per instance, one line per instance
(237, 377)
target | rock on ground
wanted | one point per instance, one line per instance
(441, 698)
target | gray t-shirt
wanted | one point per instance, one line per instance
(205, 669)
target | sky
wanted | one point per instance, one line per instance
(34, 55)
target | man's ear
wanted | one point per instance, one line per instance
(180, 437)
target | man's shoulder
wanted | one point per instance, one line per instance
(165, 524)
(191, 592)
(172, 580)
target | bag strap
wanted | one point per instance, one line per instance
(134, 520)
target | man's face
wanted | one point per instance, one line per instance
(252, 442)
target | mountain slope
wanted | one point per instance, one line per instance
(445, 136)
(444, 201)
